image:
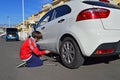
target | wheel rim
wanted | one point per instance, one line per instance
(68, 52)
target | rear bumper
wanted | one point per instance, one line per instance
(12, 38)
(107, 49)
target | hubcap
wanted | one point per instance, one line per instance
(68, 52)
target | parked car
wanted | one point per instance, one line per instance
(79, 29)
(3, 35)
(12, 34)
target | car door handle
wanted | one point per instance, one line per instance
(60, 21)
(42, 28)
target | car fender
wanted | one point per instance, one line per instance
(69, 34)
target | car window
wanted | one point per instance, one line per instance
(46, 18)
(11, 30)
(61, 11)
(98, 3)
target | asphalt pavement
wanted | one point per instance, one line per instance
(93, 69)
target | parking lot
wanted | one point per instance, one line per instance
(93, 69)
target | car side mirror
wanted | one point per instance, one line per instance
(44, 21)
(33, 26)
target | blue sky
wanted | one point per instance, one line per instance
(11, 10)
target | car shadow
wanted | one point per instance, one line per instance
(98, 60)
(88, 60)
(55, 57)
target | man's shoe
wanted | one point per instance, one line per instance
(21, 65)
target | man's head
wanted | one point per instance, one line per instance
(36, 35)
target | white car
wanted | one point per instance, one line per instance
(79, 29)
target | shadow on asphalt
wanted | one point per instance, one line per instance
(98, 60)
(88, 60)
(55, 57)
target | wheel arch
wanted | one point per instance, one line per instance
(68, 35)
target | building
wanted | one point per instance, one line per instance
(1, 30)
(117, 2)
(33, 19)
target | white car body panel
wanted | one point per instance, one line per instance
(112, 22)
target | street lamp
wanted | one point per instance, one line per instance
(23, 35)
(8, 20)
(23, 13)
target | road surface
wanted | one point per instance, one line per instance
(93, 69)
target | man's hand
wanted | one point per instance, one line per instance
(47, 51)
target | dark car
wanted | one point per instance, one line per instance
(12, 34)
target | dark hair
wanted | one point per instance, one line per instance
(37, 34)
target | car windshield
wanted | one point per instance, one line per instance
(103, 4)
(11, 30)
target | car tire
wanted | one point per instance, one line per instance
(70, 53)
(6, 39)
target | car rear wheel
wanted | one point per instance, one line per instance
(70, 53)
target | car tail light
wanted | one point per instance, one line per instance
(93, 13)
(104, 51)
(104, 1)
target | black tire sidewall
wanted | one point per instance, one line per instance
(78, 60)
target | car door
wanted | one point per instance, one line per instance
(43, 27)
(51, 30)
(59, 23)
